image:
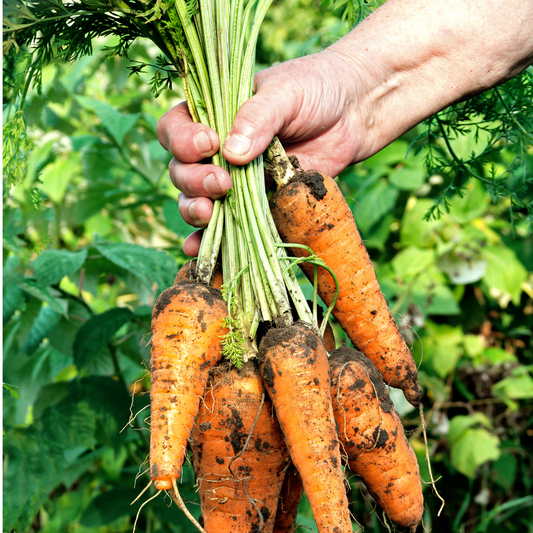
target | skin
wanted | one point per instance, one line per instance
(405, 62)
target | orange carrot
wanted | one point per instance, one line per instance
(311, 211)
(373, 437)
(188, 273)
(289, 499)
(294, 366)
(186, 330)
(239, 454)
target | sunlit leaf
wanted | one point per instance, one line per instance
(53, 265)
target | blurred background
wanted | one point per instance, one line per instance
(92, 233)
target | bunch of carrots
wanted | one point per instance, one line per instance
(244, 372)
(240, 370)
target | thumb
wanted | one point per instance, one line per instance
(257, 121)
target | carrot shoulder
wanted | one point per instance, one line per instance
(186, 330)
(294, 366)
(312, 211)
(373, 438)
(239, 466)
(188, 273)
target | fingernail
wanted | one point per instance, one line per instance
(192, 213)
(237, 144)
(203, 142)
(211, 184)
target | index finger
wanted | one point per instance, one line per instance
(186, 140)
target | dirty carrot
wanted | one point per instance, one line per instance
(289, 499)
(239, 454)
(373, 438)
(294, 366)
(186, 330)
(311, 210)
(188, 273)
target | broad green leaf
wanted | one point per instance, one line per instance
(505, 274)
(13, 300)
(374, 204)
(13, 391)
(70, 423)
(435, 387)
(97, 332)
(150, 266)
(51, 266)
(498, 356)
(504, 471)
(81, 465)
(45, 322)
(173, 219)
(50, 395)
(45, 294)
(12, 222)
(378, 235)
(415, 230)
(390, 155)
(157, 151)
(441, 347)
(437, 299)
(57, 175)
(473, 345)
(11, 272)
(412, 261)
(34, 466)
(109, 506)
(459, 424)
(408, 177)
(472, 205)
(117, 123)
(474, 448)
(517, 386)
(94, 198)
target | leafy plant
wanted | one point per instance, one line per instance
(82, 270)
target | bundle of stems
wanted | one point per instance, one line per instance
(211, 44)
(259, 284)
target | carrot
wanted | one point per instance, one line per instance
(186, 330)
(373, 437)
(294, 366)
(188, 273)
(311, 210)
(289, 499)
(239, 454)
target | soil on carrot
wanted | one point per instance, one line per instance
(208, 294)
(314, 180)
(344, 355)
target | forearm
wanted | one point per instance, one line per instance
(418, 56)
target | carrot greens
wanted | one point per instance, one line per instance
(211, 45)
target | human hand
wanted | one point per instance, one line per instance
(312, 103)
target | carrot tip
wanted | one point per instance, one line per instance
(162, 484)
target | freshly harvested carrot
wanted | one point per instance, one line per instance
(311, 210)
(186, 330)
(239, 454)
(289, 499)
(294, 366)
(373, 438)
(187, 273)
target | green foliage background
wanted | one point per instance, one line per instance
(92, 234)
